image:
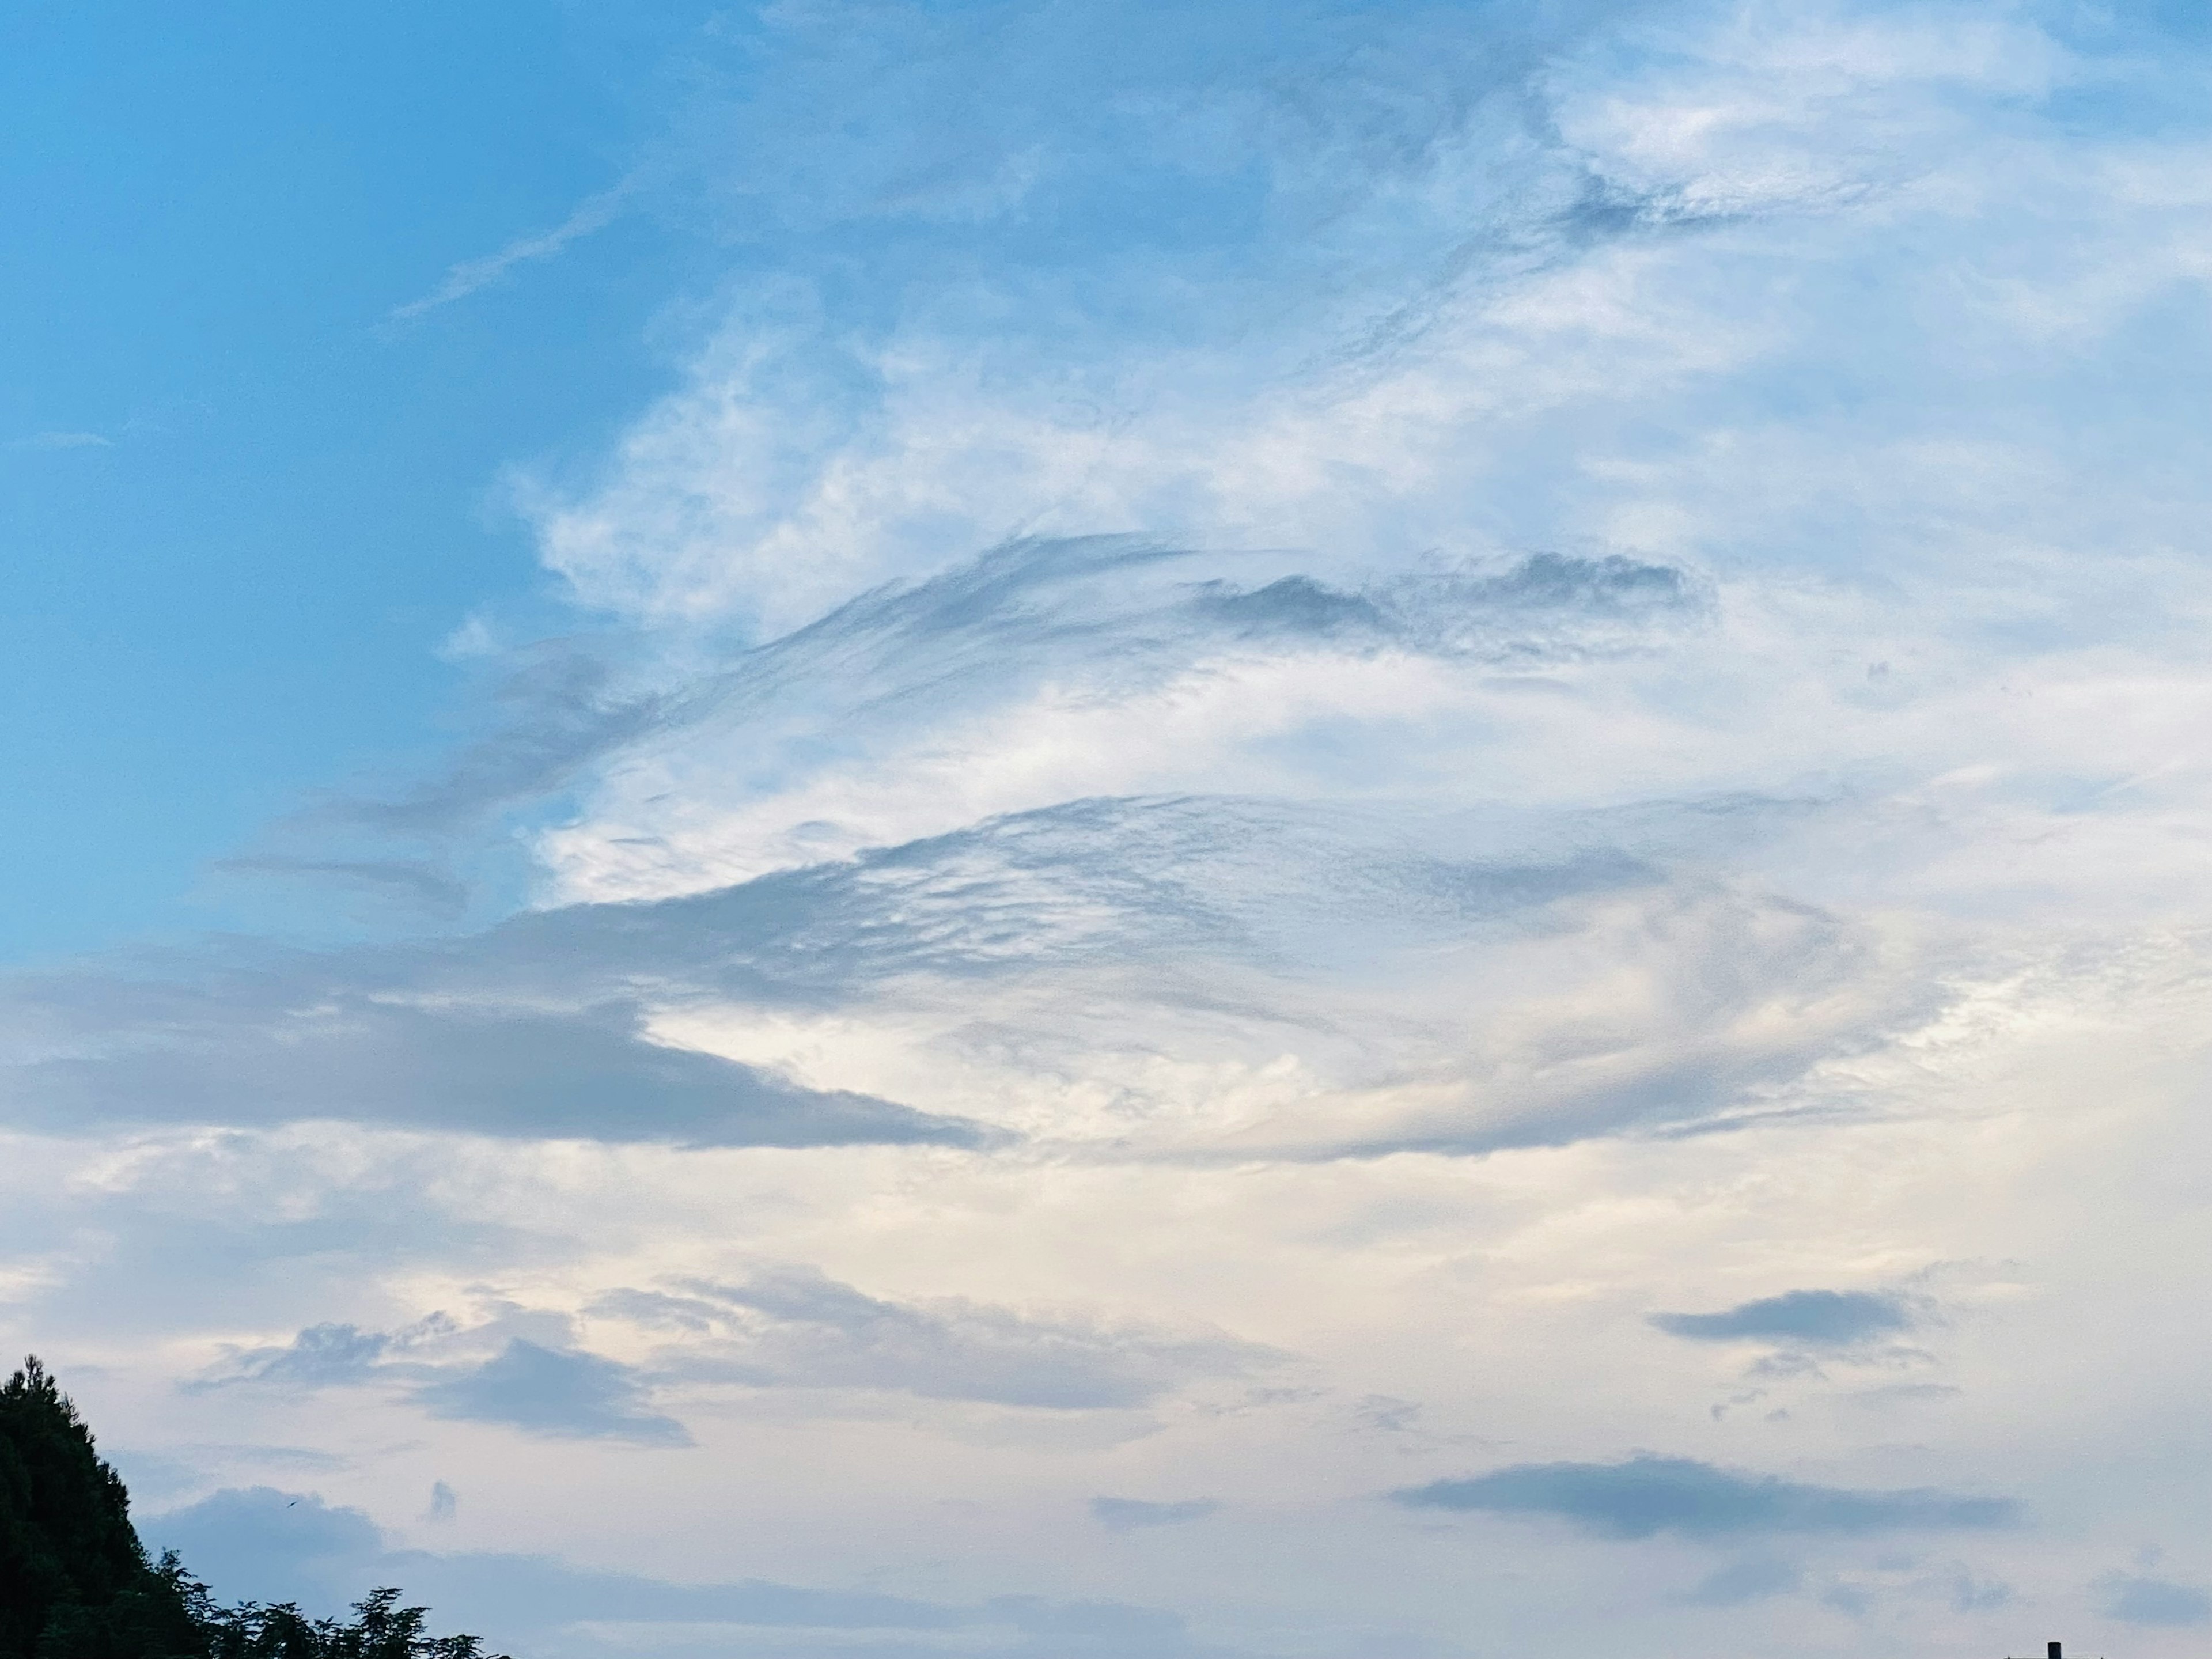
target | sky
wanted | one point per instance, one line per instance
(1311, 831)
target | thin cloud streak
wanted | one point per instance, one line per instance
(59, 441)
(594, 213)
(1646, 1496)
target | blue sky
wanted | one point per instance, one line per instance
(1295, 830)
(244, 506)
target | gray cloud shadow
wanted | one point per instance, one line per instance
(1645, 1496)
(552, 1391)
(1831, 1319)
(272, 1051)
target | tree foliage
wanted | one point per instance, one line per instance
(379, 1629)
(75, 1582)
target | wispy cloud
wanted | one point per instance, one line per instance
(62, 441)
(798, 1328)
(324, 1356)
(416, 882)
(594, 213)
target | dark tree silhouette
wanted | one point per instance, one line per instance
(380, 1629)
(73, 1579)
(75, 1582)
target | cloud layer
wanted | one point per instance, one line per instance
(1313, 746)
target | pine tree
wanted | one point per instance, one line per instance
(75, 1583)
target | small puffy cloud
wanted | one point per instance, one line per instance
(1126, 1514)
(1645, 1496)
(1824, 1319)
(556, 1393)
(2138, 1601)
(320, 1357)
